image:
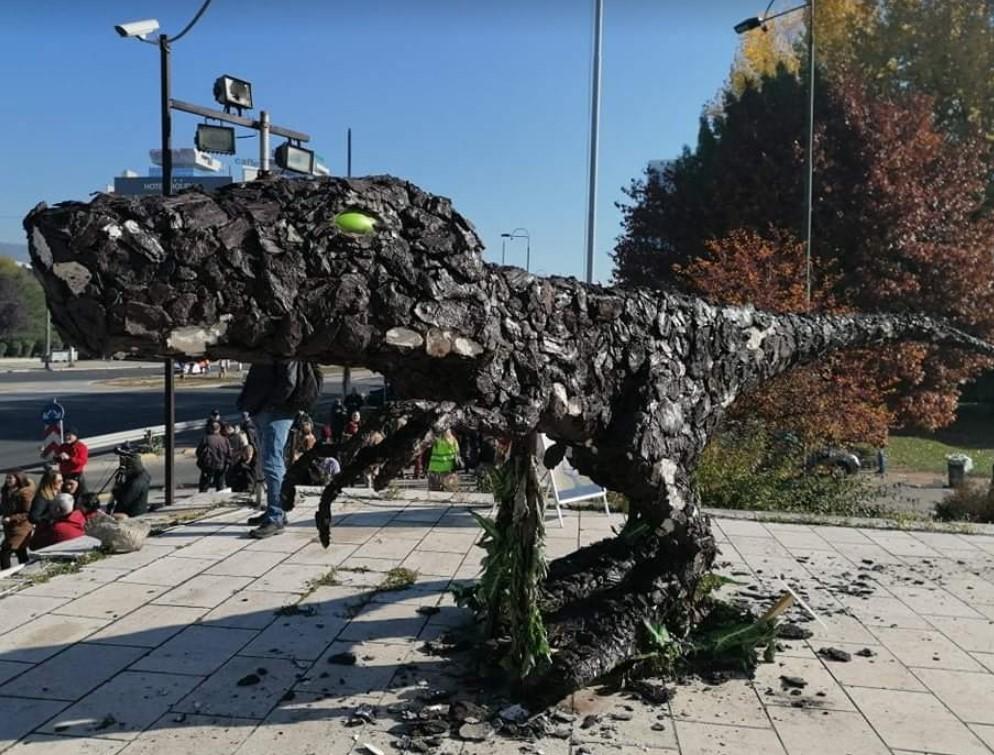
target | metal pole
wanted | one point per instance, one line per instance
(263, 142)
(811, 154)
(347, 371)
(595, 113)
(528, 253)
(48, 338)
(169, 419)
(503, 248)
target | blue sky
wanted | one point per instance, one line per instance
(484, 102)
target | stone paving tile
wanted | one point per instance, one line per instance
(882, 670)
(45, 744)
(288, 577)
(45, 636)
(307, 724)
(928, 649)
(384, 623)
(111, 601)
(822, 690)
(434, 563)
(376, 664)
(243, 687)
(149, 552)
(708, 739)
(966, 694)
(449, 542)
(73, 672)
(877, 611)
(149, 626)
(247, 563)
(818, 732)
(383, 546)
(971, 589)
(379, 566)
(317, 555)
(742, 527)
(839, 628)
(250, 609)
(732, 703)
(300, 636)
(74, 585)
(20, 609)
(986, 734)
(976, 635)
(195, 650)
(637, 731)
(916, 721)
(203, 591)
(21, 716)
(289, 541)
(168, 571)
(183, 733)
(937, 602)
(10, 669)
(122, 707)
(215, 547)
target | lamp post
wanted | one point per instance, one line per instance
(140, 30)
(759, 22)
(518, 233)
(595, 116)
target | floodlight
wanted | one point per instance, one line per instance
(233, 92)
(217, 139)
(140, 29)
(748, 25)
(291, 157)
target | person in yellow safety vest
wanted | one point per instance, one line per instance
(444, 462)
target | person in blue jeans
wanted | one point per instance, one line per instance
(273, 394)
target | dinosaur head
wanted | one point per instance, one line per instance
(272, 268)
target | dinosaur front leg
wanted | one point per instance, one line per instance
(419, 420)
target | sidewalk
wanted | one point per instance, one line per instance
(32, 364)
(209, 641)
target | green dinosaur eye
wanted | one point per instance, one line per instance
(355, 222)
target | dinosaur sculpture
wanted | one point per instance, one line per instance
(377, 273)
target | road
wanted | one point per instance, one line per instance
(96, 408)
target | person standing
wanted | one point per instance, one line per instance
(273, 394)
(15, 502)
(72, 456)
(213, 457)
(445, 461)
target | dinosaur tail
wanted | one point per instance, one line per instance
(790, 340)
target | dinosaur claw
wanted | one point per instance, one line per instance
(323, 523)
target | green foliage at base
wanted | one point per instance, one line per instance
(398, 578)
(29, 339)
(748, 467)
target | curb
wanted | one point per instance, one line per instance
(877, 523)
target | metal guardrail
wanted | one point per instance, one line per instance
(111, 440)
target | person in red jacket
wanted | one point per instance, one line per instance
(67, 524)
(72, 457)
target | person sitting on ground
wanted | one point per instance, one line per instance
(129, 496)
(213, 458)
(444, 463)
(72, 456)
(71, 486)
(353, 425)
(303, 440)
(67, 524)
(15, 502)
(89, 504)
(242, 476)
(43, 502)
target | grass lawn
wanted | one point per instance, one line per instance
(971, 434)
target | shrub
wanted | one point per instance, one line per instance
(970, 502)
(747, 467)
(3, 349)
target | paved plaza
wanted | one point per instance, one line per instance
(207, 641)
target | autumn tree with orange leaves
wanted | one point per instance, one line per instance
(898, 227)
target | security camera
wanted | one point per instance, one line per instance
(140, 29)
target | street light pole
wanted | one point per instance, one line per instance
(809, 184)
(169, 410)
(595, 116)
(518, 233)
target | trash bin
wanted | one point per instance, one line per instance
(958, 465)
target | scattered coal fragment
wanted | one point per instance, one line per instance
(835, 654)
(248, 680)
(462, 710)
(866, 653)
(590, 721)
(651, 691)
(793, 681)
(428, 610)
(790, 631)
(343, 659)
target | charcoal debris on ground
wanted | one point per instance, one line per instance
(790, 631)
(343, 659)
(835, 654)
(793, 681)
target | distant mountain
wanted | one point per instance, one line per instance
(18, 251)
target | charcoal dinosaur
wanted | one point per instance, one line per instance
(375, 272)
